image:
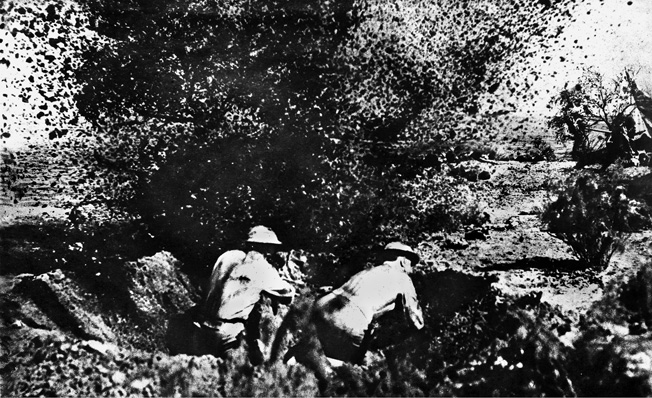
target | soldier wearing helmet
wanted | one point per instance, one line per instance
(231, 306)
(343, 318)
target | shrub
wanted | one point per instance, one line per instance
(611, 356)
(592, 101)
(59, 366)
(431, 201)
(491, 344)
(541, 150)
(594, 216)
(640, 290)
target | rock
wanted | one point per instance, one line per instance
(455, 243)
(637, 328)
(472, 171)
(486, 217)
(17, 324)
(451, 157)
(499, 227)
(513, 223)
(157, 287)
(484, 175)
(98, 347)
(71, 307)
(476, 234)
(126, 304)
(639, 365)
(118, 377)
(437, 236)
(140, 384)
(471, 175)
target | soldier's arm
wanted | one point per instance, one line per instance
(276, 287)
(411, 305)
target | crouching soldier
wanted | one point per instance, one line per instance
(342, 320)
(231, 306)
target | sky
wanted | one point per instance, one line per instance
(615, 33)
(612, 34)
(608, 35)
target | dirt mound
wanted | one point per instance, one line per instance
(129, 305)
(74, 333)
(68, 305)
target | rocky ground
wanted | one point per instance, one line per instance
(515, 247)
(122, 311)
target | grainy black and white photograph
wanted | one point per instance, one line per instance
(325, 198)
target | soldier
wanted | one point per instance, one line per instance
(232, 305)
(342, 319)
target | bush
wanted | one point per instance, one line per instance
(59, 366)
(593, 100)
(429, 202)
(612, 351)
(541, 150)
(594, 216)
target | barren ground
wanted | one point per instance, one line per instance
(517, 249)
(513, 246)
(521, 253)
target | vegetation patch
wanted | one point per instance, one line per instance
(595, 217)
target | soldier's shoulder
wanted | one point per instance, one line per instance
(232, 256)
(256, 259)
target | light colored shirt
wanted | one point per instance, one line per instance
(237, 282)
(374, 292)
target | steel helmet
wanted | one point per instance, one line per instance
(404, 250)
(262, 234)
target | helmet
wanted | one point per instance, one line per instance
(262, 234)
(404, 250)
